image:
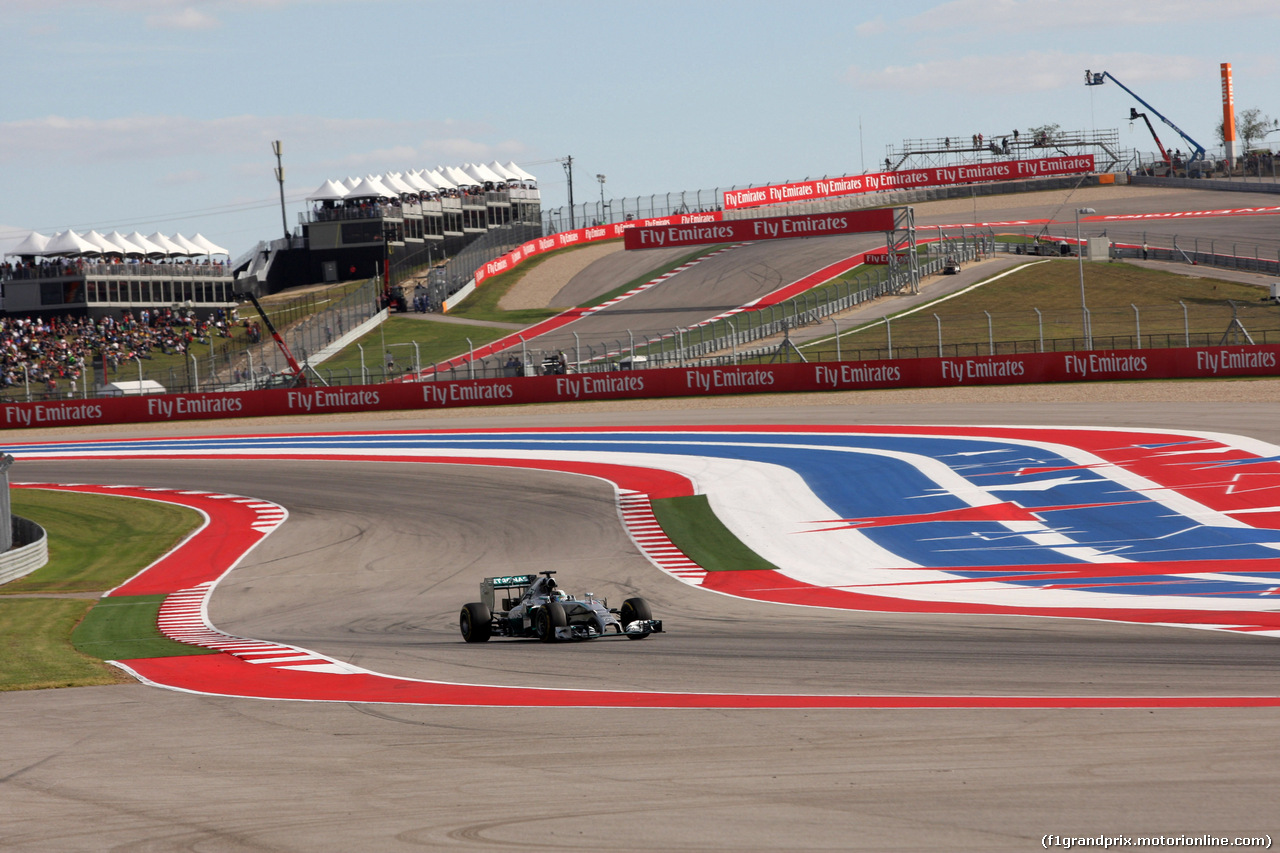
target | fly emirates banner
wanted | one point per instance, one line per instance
(1007, 170)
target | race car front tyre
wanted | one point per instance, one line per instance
(550, 617)
(475, 622)
(634, 610)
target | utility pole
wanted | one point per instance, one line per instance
(284, 220)
(567, 162)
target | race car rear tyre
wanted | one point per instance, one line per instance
(475, 622)
(634, 610)
(550, 616)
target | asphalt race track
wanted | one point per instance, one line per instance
(376, 558)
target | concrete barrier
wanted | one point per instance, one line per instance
(30, 551)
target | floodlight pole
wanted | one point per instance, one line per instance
(284, 220)
(600, 178)
(567, 162)
(1084, 310)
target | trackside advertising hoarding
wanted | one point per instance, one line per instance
(772, 228)
(909, 179)
(1197, 362)
(580, 236)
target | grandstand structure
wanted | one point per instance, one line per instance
(356, 228)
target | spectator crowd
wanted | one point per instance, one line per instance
(56, 352)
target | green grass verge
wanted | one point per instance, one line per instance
(1005, 311)
(482, 304)
(436, 342)
(125, 628)
(96, 542)
(693, 528)
(36, 650)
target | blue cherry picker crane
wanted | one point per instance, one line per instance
(1097, 79)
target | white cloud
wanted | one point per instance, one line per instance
(182, 19)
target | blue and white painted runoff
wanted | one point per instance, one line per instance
(1165, 527)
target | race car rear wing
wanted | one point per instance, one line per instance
(520, 583)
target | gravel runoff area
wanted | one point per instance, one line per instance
(541, 283)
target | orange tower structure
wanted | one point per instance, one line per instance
(1229, 115)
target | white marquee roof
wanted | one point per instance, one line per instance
(329, 190)
(70, 243)
(188, 247)
(512, 167)
(459, 177)
(482, 173)
(370, 189)
(207, 246)
(33, 244)
(123, 245)
(170, 248)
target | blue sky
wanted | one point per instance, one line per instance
(159, 114)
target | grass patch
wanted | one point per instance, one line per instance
(97, 542)
(692, 526)
(125, 628)
(482, 304)
(436, 342)
(1053, 286)
(36, 650)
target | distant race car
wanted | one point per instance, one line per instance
(951, 265)
(533, 606)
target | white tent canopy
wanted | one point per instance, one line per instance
(170, 248)
(208, 246)
(393, 182)
(188, 247)
(70, 243)
(434, 176)
(124, 245)
(329, 191)
(506, 174)
(512, 167)
(151, 249)
(460, 177)
(33, 244)
(370, 189)
(415, 179)
(482, 173)
(104, 245)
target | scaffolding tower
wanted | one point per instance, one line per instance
(946, 151)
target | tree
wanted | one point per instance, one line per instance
(1045, 134)
(1251, 126)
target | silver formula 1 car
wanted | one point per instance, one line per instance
(533, 606)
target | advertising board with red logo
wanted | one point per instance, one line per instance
(771, 228)
(909, 179)
(581, 236)
(1097, 365)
